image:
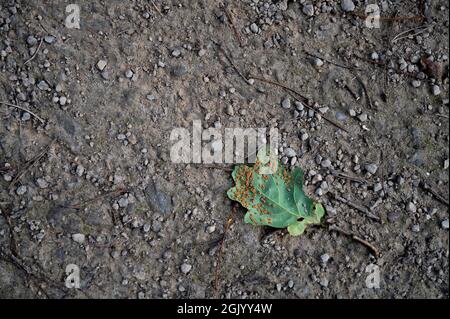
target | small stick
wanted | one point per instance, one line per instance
(357, 207)
(35, 52)
(362, 241)
(428, 188)
(230, 18)
(351, 178)
(292, 91)
(31, 163)
(220, 253)
(156, 8)
(403, 35)
(23, 109)
(116, 193)
(369, 101)
(413, 18)
(231, 62)
(331, 62)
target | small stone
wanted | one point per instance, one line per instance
(347, 5)
(80, 170)
(176, 53)
(291, 284)
(254, 28)
(123, 202)
(304, 136)
(211, 229)
(324, 282)
(377, 187)
(436, 90)
(326, 163)
(49, 39)
(21, 190)
(444, 224)
(374, 56)
(31, 40)
(393, 216)
(101, 64)
(286, 103)
(411, 207)
(25, 116)
(363, 117)
(43, 86)
(129, 74)
(308, 9)
(230, 110)
(416, 83)
(371, 168)
(62, 100)
(352, 112)
(318, 62)
(186, 268)
(279, 287)
(324, 258)
(105, 75)
(415, 228)
(289, 152)
(79, 238)
(42, 183)
(446, 163)
(179, 70)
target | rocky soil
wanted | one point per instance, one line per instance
(86, 176)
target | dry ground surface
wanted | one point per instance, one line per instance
(86, 176)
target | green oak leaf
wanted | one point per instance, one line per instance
(274, 196)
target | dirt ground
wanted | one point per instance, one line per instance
(86, 176)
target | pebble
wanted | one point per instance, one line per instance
(411, 207)
(444, 224)
(291, 284)
(129, 74)
(123, 202)
(347, 5)
(101, 64)
(185, 268)
(254, 28)
(31, 40)
(326, 163)
(21, 190)
(42, 183)
(393, 216)
(289, 152)
(211, 229)
(49, 39)
(371, 168)
(80, 170)
(179, 70)
(363, 117)
(43, 86)
(286, 103)
(377, 187)
(436, 90)
(415, 228)
(79, 238)
(105, 75)
(318, 62)
(308, 9)
(416, 83)
(324, 258)
(176, 53)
